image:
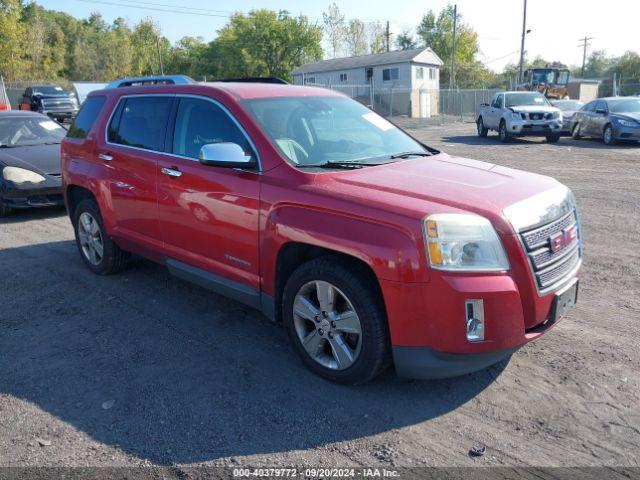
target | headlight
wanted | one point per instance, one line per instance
(74, 102)
(515, 116)
(21, 175)
(626, 123)
(463, 242)
(557, 115)
(540, 209)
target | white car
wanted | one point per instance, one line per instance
(518, 114)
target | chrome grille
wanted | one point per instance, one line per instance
(549, 267)
(56, 104)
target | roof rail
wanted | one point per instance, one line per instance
(151, 80)
(255, 80)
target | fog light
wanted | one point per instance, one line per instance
(475, 320)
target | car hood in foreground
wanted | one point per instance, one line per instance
(628, 115)
(422, 186)
(38, 158)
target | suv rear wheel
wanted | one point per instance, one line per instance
(98, 251)
(336, 321)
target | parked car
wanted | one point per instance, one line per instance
(611, 119)
(29, 161)
(369, 246)
(50, 100)
(569, 109)
(519, 114)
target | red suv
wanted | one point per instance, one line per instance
(369, 246)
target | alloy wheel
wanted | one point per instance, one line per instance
(327, 325)
(90, 238)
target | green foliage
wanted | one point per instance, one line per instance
(264, 43)
(405, 41)
(40, 44)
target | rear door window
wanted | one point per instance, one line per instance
(86, 117)
(141, 122)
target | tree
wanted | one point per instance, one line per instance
(334, 28)
(143, 42)
(377, 37)
(12, 38)
(437, 33)
(356, 38)
(264, 43)
(188, 57)
(405, 41)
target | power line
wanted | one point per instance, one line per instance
(156, 9)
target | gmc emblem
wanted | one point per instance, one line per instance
(561, 239)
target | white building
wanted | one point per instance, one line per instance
(403, 73)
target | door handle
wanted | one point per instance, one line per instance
(171, 172)
(105, 156)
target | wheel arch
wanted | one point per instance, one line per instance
(74, 194)
(293, 254)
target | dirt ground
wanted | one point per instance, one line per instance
(142, 368)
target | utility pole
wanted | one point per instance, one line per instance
(159, 55)
(584, 44)
(453, 47)
(524, 32)
(388, 36)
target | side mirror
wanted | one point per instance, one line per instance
(225, 154)
(484, 104)
(601, 112)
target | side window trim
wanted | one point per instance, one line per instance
(174, 113)
(123, 99)
(170, 127)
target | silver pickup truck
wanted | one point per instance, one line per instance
(517, 114)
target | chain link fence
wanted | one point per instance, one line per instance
(423, 105)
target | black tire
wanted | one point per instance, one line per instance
(608, 136)
(363, 293)
(113, 258)
(60, 120)
(575, 133)
(482, 130)
(503, 133)
(5, 210)
(553, 138)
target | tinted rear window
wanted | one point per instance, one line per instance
(141, 122)
(86, 117)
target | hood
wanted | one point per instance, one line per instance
(441, 183)
(628, 115)
(534, 108)
(38, 158)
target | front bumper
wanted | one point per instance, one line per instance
(626, 133)
(66, 114)
(534, 128)
(425, 363)
(49, 194)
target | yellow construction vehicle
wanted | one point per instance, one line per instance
(551, 82)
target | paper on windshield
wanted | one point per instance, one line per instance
(377, 121)
(49, 125)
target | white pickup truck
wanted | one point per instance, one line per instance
(517, 114)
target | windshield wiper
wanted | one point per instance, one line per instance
(341, 164)
(411, 154)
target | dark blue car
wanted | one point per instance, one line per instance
(611, 119)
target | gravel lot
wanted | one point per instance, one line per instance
(142, 368)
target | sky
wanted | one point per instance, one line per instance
(556, 26)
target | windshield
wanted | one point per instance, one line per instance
(316, 130)
(48, 90)
(16, 132)
(526, 99)
(568, 105)
(628, 105)
(545, 75)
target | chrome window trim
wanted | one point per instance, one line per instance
(171, 154)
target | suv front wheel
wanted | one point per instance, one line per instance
(98, 251)
(336, 321)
